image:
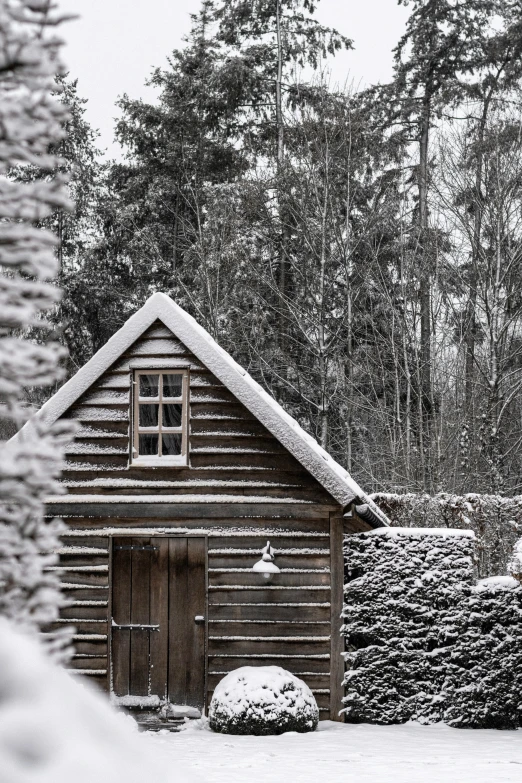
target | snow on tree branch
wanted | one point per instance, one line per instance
(31, 121)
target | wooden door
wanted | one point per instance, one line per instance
(158, 625)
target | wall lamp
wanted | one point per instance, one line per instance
(266, 566)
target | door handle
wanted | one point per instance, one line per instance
(199, 618)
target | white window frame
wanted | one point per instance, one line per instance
(146, 460)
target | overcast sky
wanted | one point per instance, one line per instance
(114, 44)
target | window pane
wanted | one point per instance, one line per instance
(149, 385)
(171, 444)
(149, 445)
(172, 385)
(172, 415)
(148, 415)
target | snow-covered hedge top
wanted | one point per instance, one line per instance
(159, 306)
(500, 582)
(495, 519)
(420, 532)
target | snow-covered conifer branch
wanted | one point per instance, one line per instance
(31, 121)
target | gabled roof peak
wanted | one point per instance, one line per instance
(332, 476)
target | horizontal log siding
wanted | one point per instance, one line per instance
(84, 574)
(264, 493)
(285, 623)
(230, 451)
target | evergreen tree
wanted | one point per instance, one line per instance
(442, 43)
(31, 122)
(78, 162)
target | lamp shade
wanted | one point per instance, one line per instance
(266, 565)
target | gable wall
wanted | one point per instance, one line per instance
(230, 451)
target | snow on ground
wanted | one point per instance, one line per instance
(54, 729)
(342, 753)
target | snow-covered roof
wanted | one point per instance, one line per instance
(334, 478)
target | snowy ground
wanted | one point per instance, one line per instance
(339, 753)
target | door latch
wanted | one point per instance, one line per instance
(199, 618)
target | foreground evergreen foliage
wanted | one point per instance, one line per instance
(423, 641)
(31, 122)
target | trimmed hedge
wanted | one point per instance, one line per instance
(425, 642)
(484, 667)
(404, 591)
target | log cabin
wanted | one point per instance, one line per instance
(181, 472)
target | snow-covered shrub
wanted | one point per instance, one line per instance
(495, 520)
(30, 123)
(403, 589)
(484, 668)
(262, 700)
(55, 730)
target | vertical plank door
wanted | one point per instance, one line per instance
(187, 604)
(158, 635)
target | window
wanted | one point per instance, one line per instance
(160, 417)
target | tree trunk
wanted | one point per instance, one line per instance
(470, 317)
(425, 368)
(348, 263)
(280, 153)
(323, 364)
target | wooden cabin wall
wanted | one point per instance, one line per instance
(230, 451)
(242, 487)
(288, 623)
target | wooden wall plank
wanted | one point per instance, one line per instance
(267, 627)
(288, 646)
(140, 614)
(298, 665)
(72, 613)
(179, 650)
(209, 509)
(159, 615)
(247, 577)
(196, 605)
(91, 662)
(337, 570)
(267, 595)
(311, 612)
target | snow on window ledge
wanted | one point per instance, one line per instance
(160, 462)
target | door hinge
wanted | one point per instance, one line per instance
(137, 548)
(134, 627)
